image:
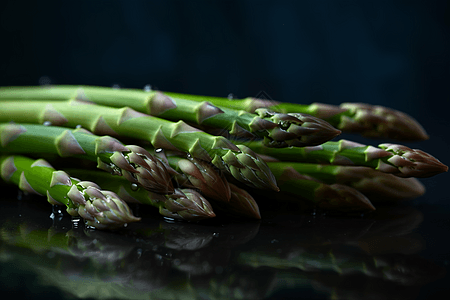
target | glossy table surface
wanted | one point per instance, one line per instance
(398, 252)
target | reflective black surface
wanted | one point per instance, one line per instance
(398, 252)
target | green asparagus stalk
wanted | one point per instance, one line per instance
(101, 209)
(388, 158)
(376, 185)
(335, 197)
(278, 129)
(200, 175)
(131, 161)
(369, 120)
(238, 160)
(182, 204)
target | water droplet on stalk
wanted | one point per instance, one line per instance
(159, 150)
(134, 187)
(75, 222)
(116, 86)
(230, 96)
(215, 234)
(78, 126)
(47, 123)
(147, 88)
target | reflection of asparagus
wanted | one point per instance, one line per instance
(238, 160)
(389, 158)
(378, 186)
(369, 120)
(100, 209)
(278, 129)
(133, 162)
(331, 197)
(183, 204)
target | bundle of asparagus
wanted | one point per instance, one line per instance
(281, 146)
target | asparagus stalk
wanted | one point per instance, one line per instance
(376, 185)
(369, 120)
(278, 129)
(238, 160)
(133, 162)
(388, 158)
(200, 175)
(182, 204)
(336, 197)
(101, 209)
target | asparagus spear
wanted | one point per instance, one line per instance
(369, 120)
(182, 204)
(238, 160)
(101, 209)
(133, 162)
(335, 197)
(279, 130)
(200, 175)
(388, 158)
(376, 185)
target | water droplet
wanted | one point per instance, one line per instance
(230, 96)
(134, 187)
(189, 155)
(215, 234)
(75, 222)
(47, 123)
(116, 86)
(78, 126)
(159, 150)
(45, 80)
(274, 241)
(147, 88)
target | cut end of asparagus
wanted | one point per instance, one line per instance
(102, 209)
(413, 162)
(188, 205)
(297, 129)
(247, 167)
(206, 178)
(342, 198)
(381, 122)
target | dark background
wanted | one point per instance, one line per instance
(392, 53)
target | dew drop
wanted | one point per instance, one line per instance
(230, 96)
(274, 241)
(134, 187)
(78, 126)
(215, 234)
(147, 88)
(116, 86)
(75, 222)
(159, 150)
(47, 123)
